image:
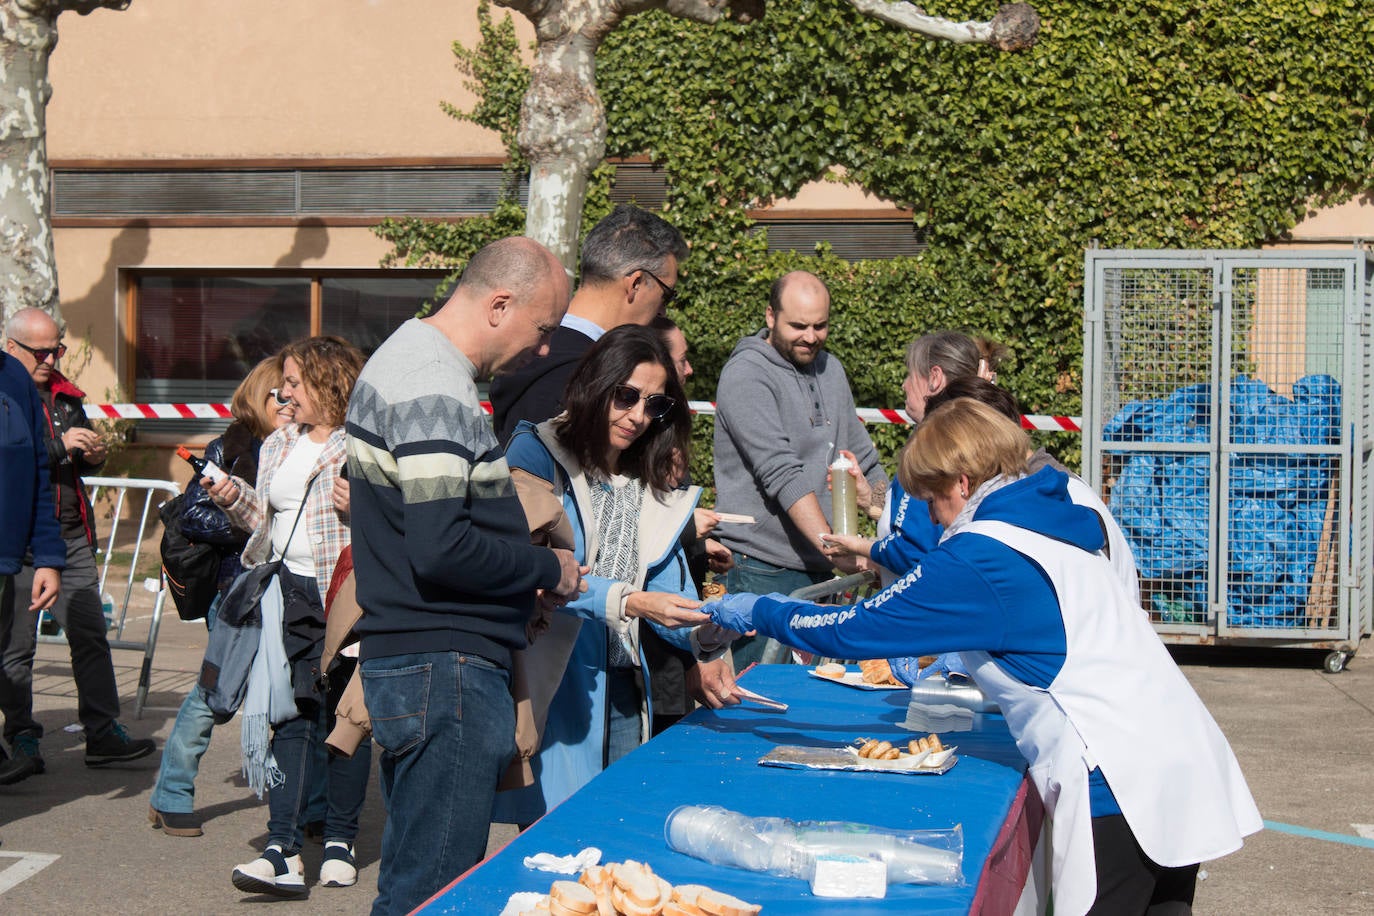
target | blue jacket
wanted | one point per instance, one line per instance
(574, 739)
(28, 519)
(969, 593)
(912, 534)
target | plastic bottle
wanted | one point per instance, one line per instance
(789, 848)
(204, 467)
(844, 506)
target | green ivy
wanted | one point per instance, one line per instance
(1162, 124)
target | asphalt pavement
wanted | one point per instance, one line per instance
(78, 837)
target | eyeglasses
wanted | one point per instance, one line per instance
(669, 293)
(656, 406)
(281, 399)
(43, 354)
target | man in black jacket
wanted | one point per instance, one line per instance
(33, 338)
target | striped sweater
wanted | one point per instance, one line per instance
(441, 549)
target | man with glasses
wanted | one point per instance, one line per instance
(628, 276)
(73, 448)
(784, 413)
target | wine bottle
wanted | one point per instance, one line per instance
(204, 467)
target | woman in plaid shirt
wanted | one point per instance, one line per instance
(300, 486)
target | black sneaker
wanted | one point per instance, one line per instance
(115, 746)
(13, 769)
(27, 746)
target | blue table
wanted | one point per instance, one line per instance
(710, 758)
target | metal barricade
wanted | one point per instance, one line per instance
(155, 492)
(841, 590)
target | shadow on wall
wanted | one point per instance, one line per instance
(94, 311)
(312, 241)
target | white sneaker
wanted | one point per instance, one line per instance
(272, 873)
(338, 868)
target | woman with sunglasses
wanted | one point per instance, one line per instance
(258, 408)
(602, 479)
(297, 514)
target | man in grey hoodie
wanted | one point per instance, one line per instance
(783, 413)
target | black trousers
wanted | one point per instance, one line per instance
(1129, 883)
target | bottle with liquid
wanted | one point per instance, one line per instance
(204, 467)
(844, 506)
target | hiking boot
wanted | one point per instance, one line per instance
(272, 873)
(338, 868)
(13, 769)
(174, 823)
(27, 745)
(115, 746)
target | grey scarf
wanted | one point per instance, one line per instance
(974, 501)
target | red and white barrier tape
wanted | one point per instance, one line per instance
(221, 412)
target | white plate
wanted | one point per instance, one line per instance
(856, 679)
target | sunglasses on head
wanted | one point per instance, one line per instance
(656, 406)
(43, 354)
(281, 399)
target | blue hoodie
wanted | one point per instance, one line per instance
(27, 517)
(969, 593)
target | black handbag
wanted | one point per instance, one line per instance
(191, 568)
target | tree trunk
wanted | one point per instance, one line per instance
(563, 134)
(28, 272)
(28, 266)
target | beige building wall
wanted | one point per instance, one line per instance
(210, 79)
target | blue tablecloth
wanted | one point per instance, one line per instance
(711, 758)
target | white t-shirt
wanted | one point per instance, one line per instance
(288, 489)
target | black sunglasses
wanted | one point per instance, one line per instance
(281, 399)
(669, 293)
(656, 406)
(43, 353)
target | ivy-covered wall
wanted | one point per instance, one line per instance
(1164, 123)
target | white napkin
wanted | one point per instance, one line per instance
(564, 865)
(938, 718)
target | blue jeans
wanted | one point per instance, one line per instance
(446, 725)
(753, 576)
(293, 746)
(175, 789)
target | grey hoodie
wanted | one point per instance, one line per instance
(778, 428)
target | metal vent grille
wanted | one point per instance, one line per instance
(639, 184)
(448, 191)
(174, 193)
(850, 239)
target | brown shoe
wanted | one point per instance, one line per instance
(174, 824)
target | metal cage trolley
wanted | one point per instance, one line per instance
(1227, 422)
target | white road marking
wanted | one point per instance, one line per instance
(29, 864)
(1364, 830)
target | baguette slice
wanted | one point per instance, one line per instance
(687, 895)
(715, 903)
(568, 898)
(676, 909)
(638, 884)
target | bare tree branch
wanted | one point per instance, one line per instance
(1014, 28)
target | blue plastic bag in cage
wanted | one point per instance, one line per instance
(1277, 503)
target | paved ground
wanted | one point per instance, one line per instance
(1305, 739)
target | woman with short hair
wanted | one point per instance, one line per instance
(1140, 783)
(258, 409)
(298, 513)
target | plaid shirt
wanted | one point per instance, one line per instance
(327, 530)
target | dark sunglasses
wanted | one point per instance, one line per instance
(656, 406)
(281, 399)
(669, 293)
(42, 354)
